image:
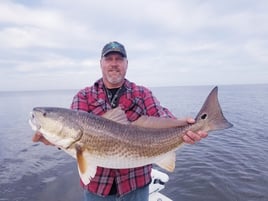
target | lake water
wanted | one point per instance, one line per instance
(229, 165)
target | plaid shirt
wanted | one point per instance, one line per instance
(135, 101)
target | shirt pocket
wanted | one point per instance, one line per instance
(133, 108)
(98, 107)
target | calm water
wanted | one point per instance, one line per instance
(229, 165)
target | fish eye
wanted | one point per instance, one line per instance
(204, 116)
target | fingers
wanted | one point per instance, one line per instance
(38, 137)
(203, 134)
(185, 121)
(192, 137)
(190, 120)
(189, 137)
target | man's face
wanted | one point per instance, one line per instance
(114, 68)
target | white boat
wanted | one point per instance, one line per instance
(158, 183)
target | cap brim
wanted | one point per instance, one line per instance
(110, 51)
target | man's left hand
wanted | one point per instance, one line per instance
(191, 137)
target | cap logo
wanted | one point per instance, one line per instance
(115, 45)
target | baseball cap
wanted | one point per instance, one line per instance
(114, 47)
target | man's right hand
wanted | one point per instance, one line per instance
(38, 137)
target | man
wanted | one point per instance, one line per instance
(114, 90)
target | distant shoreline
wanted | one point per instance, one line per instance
(151, 87)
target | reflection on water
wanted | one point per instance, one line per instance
(229, 165)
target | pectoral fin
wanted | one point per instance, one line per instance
(117, 115)
(168, 161)
(86, 168)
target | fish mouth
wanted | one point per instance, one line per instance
(33, 123)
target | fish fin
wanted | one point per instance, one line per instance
(211, 113)
(168, 162)
(86, 170)
(156, 122)
(117, 115)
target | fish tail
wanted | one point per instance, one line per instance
(211, 113)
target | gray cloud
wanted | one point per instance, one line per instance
(171, 42)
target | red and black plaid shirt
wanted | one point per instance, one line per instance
(135, 101)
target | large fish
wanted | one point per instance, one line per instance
(111, 141)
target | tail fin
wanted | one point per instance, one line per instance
(212, 114)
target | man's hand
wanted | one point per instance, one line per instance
(192, 137)
(38, 137)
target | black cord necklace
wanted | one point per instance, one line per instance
(113, 96)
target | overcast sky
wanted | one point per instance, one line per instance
(56, 44)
